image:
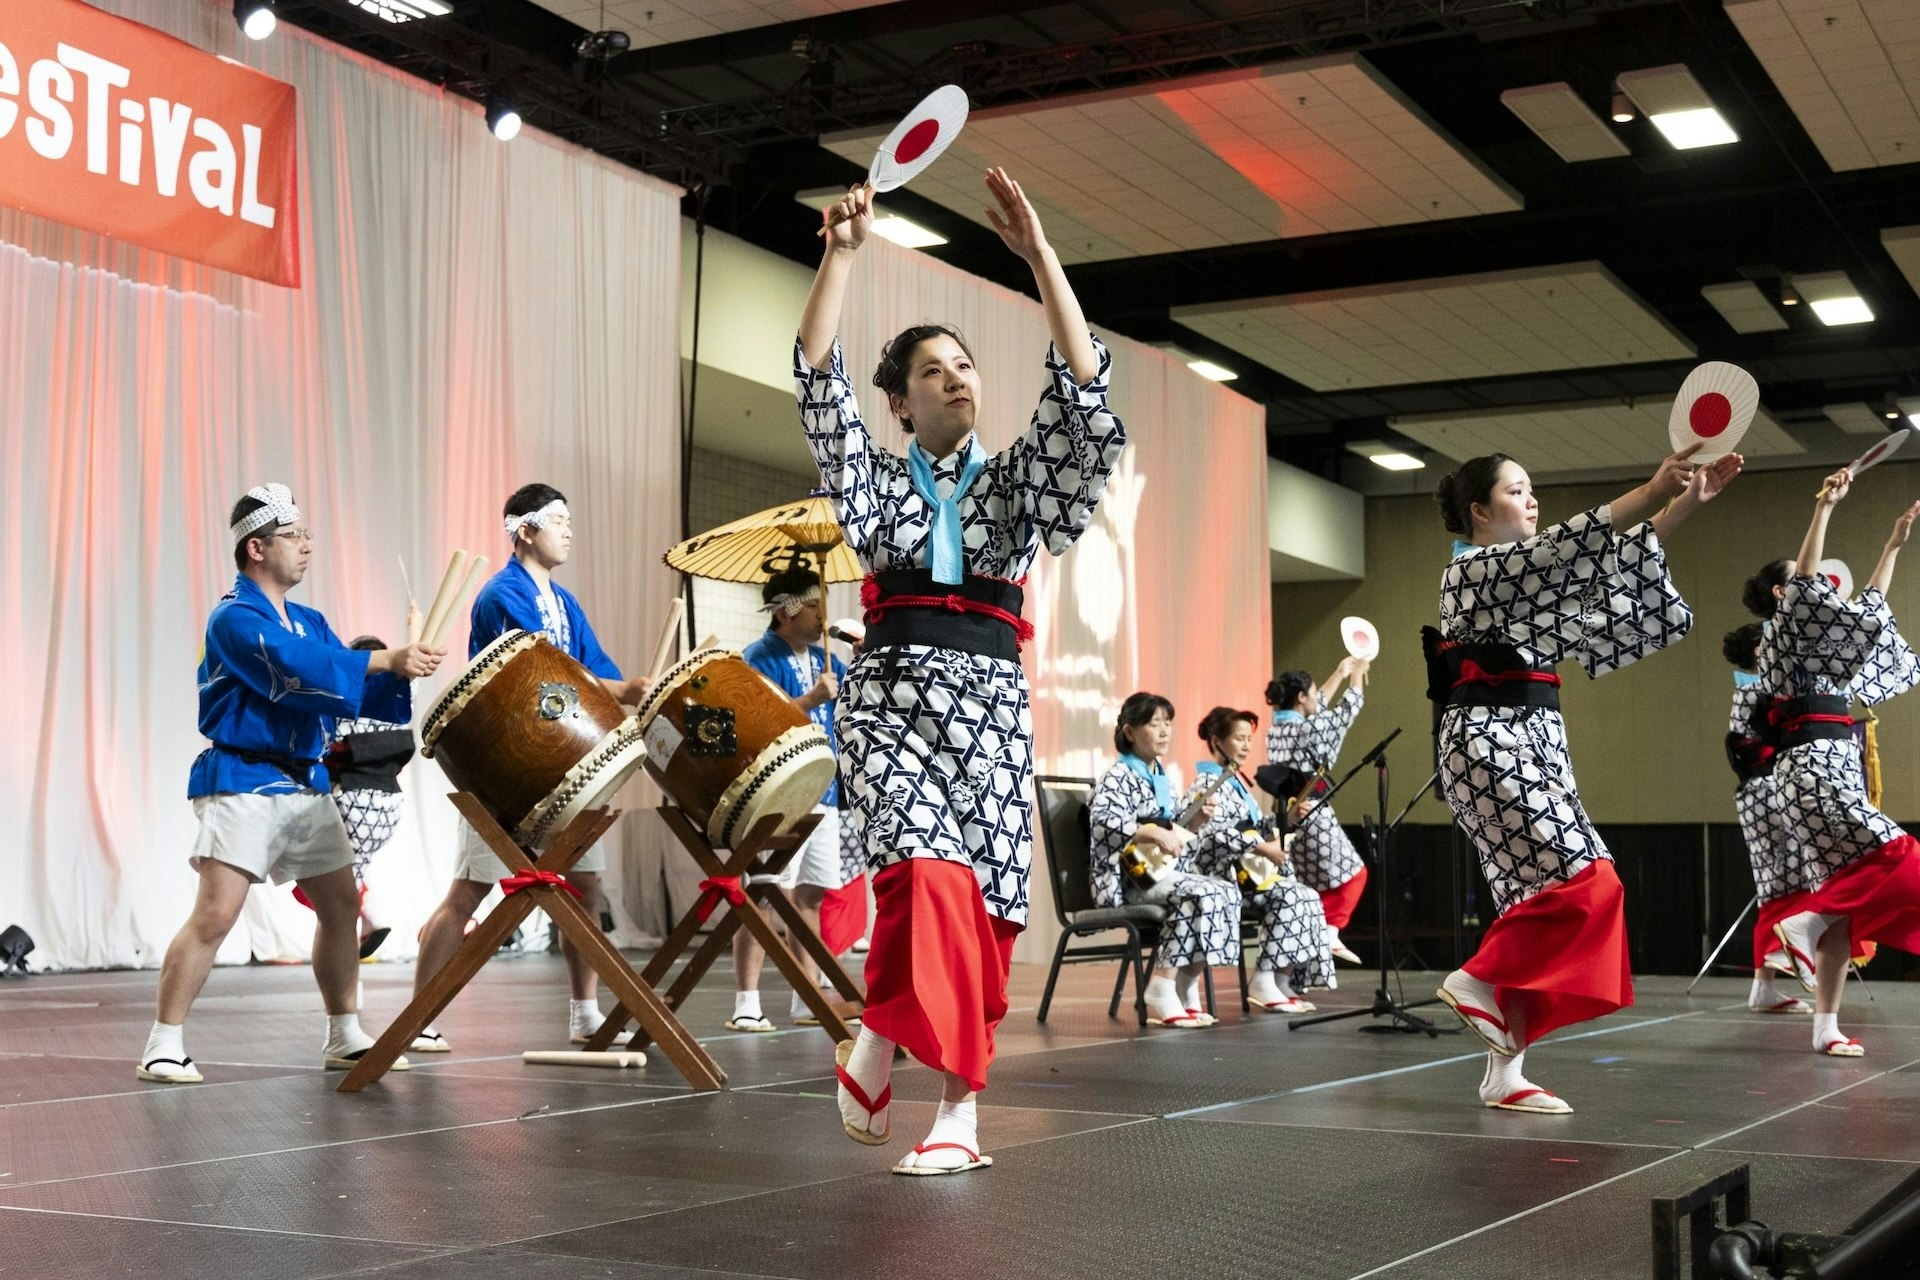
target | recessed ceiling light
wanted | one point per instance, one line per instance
(1701, 127)
(891, 226)
(1396, 461)
(1215, 372)
(1833, 298)
(1622, 109)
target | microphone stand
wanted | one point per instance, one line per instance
(1379, 835)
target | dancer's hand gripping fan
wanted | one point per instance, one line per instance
(916, 141)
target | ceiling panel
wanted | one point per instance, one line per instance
(1850, 69)
(1538, 320)
(1299, 149)
(1903, 246)
(658, 22)
(1549, 439)
(1744, 308)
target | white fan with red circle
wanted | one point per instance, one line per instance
(1836, 572)
(1715, 407)
(1881, 452)
(1361, 638)
(917, 140)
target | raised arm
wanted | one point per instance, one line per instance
(1019, 227)
(1331, 688)
(1883, 571)
(1702, 487)
(820, 319)
(1807, 563)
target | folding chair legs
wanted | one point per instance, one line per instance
(1053, 974)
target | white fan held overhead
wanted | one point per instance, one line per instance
(1881, 452)
(915, 142)
(1836, 572)
(1361, 638)
(1713, 409)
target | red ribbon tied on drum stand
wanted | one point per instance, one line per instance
(534, 879)
(716, 888)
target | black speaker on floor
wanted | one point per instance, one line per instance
(15, 943)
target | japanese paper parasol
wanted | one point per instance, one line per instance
(804, 534)
(917, 141)
(1714, 408)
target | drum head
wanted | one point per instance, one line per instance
(788, 778)
(588, 785)
(456, 695)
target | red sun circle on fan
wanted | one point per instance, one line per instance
(1834, 578)
(1361, 637)
(918, 139)
(1710, 414)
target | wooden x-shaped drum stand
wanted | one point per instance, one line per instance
(760, 854)
(657, 1023)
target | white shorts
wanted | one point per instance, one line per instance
(291, 836)
(817, 862)
(478, 862)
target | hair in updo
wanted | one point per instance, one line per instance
(1459, 490)
(1757, 595)
(1285, 689)
(1135, 713)
(1741, 646)
(891, 373)
(1218, 723)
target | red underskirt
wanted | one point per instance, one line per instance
(1879, 894)
(1560, 957)
(1339, 901)
(937, 970)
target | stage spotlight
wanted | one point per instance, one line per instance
(255, 18)
(14, 946)
(1622, 108)
(502, 118)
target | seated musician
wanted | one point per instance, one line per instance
(1141, 857)
(1243, 847)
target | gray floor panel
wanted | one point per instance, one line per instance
(46, 1246)
(1874, 1121)
(503, 1182)
(1606, 1234)
(522, 1264)
(41, 1078)
(1145, 1200)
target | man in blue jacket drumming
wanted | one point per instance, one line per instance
(273, 679)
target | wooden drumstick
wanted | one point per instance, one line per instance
(443, 598)
(711, 641)
(675, 612)
(476, 572)
(575, 1058)
(414, 618)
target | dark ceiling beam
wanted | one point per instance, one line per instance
(521, 50)
(995, 77)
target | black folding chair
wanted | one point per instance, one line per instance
(1066, 834)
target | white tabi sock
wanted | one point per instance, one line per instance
(872, 1061)
(746, 1004)
(955, 1122)
(1763, 992)
(1826, 1026)
(796, 1007)
(1163, 1000)
(584, 1015)
(345, 1036)
(166, 1040)
(1186, 985)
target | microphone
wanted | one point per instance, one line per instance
(843, 635)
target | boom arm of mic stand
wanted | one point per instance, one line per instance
(1372, 755)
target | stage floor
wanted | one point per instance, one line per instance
(1244, 1150)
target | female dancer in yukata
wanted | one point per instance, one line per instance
(1856, 873)
(936, 736)
(1515, 601)
(1310, 724)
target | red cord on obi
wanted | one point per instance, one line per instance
(532, 879)
(1471, 673)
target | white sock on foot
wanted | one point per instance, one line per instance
(1264, 988)
(1163, 1000)
(1826, 1028)
(871, 1066)
(345, 1035)
(796, 1007)
(1504, 1078)
(746, 1004)
(583, 1015)
(1186, 985)
(166, 1040)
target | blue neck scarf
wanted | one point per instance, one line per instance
(946, 554)
(1210, 767)
(1162, 785)
(1461, 547)
(1287, 717)
(1745, 679)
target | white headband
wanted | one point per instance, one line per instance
(279, 509)
(794, 603)
(535, 520)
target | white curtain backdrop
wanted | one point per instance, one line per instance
(475, 316)
(1167, 590)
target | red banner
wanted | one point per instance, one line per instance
(114, 127)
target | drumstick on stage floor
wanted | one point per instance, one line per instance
(676, 614)
(476, 574)
(443, 598)
(574, 1058)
